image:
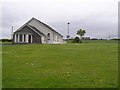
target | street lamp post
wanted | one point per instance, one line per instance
(68, 32)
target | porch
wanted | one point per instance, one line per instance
(23, 38)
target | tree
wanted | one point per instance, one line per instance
(81, 33)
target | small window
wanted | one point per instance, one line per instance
(48, 34)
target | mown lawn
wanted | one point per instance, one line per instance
(86, 65)
(0, 65)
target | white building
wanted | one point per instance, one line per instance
(35, 31)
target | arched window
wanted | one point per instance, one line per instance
(48, 36)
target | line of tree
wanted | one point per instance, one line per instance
(5, 40)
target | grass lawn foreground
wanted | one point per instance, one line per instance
(86, 65)
(0, 65)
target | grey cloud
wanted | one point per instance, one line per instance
(97, 23)
(94, 28)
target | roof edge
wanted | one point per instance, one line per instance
(48, 26)
(39, 22)
(24, 24)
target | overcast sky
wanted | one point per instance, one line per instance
(98, 17)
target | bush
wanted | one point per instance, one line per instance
(80, 41)
(76, 40)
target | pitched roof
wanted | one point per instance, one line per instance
(32, 28)
(47, 26)
(37, 29)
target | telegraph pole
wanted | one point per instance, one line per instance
(12, 32)
(12, 35)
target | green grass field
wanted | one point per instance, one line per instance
(86, 65)
(0, 65)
